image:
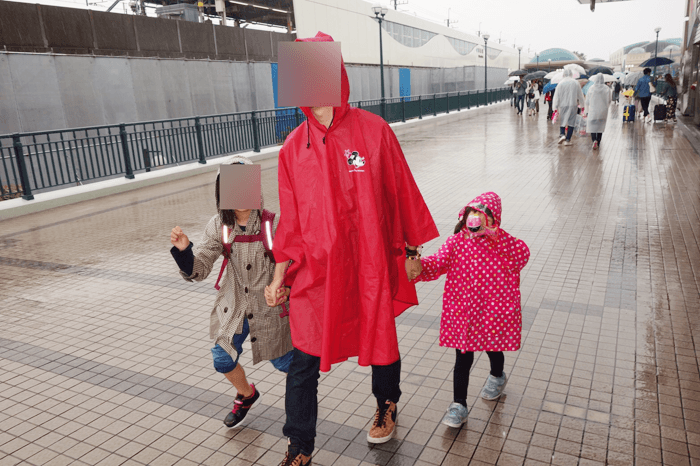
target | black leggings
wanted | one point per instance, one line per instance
(596, 137)
(463, 365)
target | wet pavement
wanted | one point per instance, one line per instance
(104, 355)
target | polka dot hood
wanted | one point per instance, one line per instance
(481, 302)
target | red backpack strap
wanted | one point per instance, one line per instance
(267, 219)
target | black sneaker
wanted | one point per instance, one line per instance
(241, 406)
(294, 457)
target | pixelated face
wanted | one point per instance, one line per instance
(308, 74)
(239, 187)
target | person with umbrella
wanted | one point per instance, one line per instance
(643, 92)
(596, 108)
(520, 102)
(566, 101)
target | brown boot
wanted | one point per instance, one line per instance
(293, 457)
(384, 423)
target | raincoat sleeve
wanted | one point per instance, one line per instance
(439, 263)
(513, 253)
(407, 210)
(288, 242)
(206, 253)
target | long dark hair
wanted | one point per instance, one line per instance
(669, 79)
(228, 217)
(461, 223)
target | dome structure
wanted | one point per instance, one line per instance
(555, 55)
(637, 50)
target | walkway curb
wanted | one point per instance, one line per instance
(44, 201)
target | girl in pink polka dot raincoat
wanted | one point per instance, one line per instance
(481, 302)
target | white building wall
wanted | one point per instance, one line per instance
(352, 23)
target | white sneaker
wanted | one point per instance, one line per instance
(561, 139)
(568, 143)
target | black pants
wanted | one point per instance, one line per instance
(566, 131)
(463, 365)
(645, 104)
(301, 399)
(520, 102)
(596, 137)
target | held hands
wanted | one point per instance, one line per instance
(179, 239)
(276, 294)
(413, 268)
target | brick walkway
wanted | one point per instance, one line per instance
(104, 356)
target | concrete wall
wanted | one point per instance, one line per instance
(44, 91)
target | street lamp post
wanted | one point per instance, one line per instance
(520, 49)
(538, 61)
(381, 10)
(549, 65)
(486, 57)
(656, 47)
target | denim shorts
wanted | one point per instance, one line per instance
(223, 362)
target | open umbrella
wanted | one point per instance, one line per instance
(618, 75)
(551, 74)
(632, 78)
(586, 87)
(609, 79)
(535, 75)
(517, 73)
(657, 61)
(549, 87)
(511, 80)
(574, 67)
(583, 76)
(600, 69)
(556, 79)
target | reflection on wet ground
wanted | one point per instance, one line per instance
(104, 354)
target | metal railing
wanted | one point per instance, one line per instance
(47, 160)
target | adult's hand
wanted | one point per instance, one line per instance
(272, 293)
(179, 239)
(413, 268)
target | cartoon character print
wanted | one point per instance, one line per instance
(355, 160)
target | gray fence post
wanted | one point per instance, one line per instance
(435, 104)
(23, 175)
(459, 101)
(447, 100)
(200, 140)
(403, 109)
(420, 107)
(256, 135)
(125, 152)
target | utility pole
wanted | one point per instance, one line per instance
(396, 2)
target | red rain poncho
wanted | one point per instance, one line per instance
(481, 303)
(348, 205)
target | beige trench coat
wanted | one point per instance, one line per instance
(241, 291)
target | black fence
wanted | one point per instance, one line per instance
(48, 160)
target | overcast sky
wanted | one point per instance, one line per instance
(543, 24)
(538, 24)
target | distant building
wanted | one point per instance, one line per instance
(629, 58)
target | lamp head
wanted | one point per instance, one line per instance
(520, 47)
(657, 30)
(486, 36)
(377, 8)
(384, 10)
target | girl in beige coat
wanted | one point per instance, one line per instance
(240, 308)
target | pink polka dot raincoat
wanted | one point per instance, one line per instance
(481, 302)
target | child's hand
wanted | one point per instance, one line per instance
(179, 239)
(272, 293)
(413, 268)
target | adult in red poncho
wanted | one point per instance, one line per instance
(350, 213)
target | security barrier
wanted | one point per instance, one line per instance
(48, 160)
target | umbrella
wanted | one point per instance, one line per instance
(600, 69)
(556, 79)
(584, 76)
(551, 74)
(511, 80)
(518, 73)
(618, 75)
(657, 61)
(609, 79)
(632, 78)
(586, 87)
(549, 87)
(574, 67)
(535, 75)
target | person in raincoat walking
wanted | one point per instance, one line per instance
(240, 307)
(351, 213)
(566, 100)
(596, 108)
(481, 302)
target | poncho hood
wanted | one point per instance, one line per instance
(488, 200)
(338, 112)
